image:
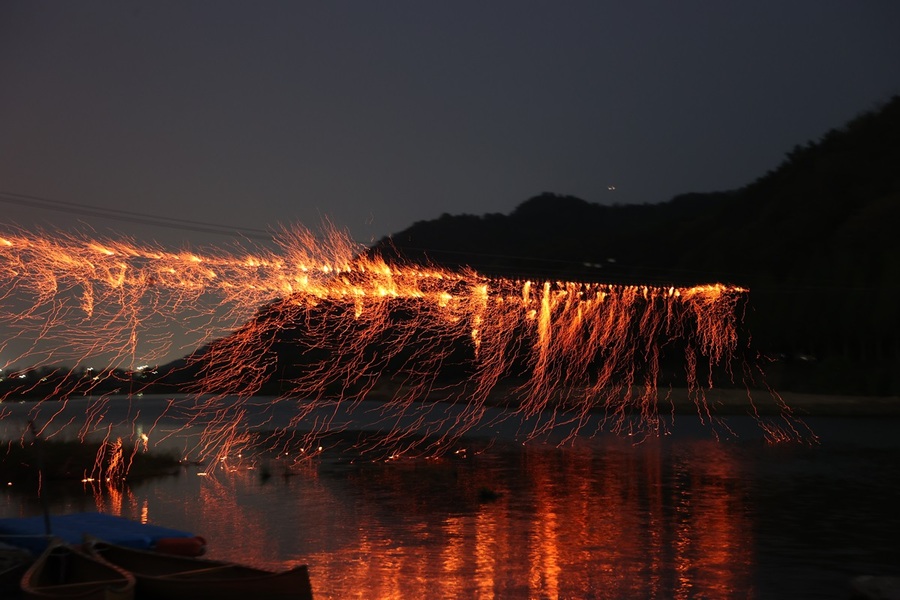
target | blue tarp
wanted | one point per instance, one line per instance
(30, 533)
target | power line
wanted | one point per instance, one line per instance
(128, 216)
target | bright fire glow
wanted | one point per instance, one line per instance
(361, 328)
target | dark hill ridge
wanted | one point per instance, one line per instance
(834, 198)
(564, 237)
(815, 240)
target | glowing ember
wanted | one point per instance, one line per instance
(356, 325)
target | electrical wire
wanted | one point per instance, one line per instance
(128, 216)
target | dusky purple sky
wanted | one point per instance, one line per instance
(379, 114)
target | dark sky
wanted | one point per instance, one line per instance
(379, 114)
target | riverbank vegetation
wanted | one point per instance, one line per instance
(78, 461)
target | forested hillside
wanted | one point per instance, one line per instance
(814, 240)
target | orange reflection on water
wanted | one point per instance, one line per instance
(608, 521)
(112, 497)
(713, 532)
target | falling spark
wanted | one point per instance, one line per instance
(359, 322)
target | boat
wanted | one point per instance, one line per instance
(31, 533)
(14, 561)
(176, 577)
(64, 572)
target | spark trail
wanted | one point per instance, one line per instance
(334, 326)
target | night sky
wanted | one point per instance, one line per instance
(379, 114)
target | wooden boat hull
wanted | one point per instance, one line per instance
(185, 578)
(63, 572)
(14, 561)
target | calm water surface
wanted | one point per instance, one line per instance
(682, 516)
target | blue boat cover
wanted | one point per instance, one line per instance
(30, 533)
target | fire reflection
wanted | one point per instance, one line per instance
(712, 530)
(598, 520)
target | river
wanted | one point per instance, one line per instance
(684, 515)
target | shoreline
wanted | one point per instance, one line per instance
(733, 401)
(720, 401)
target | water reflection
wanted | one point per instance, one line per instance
(680, 517)
(602, 519)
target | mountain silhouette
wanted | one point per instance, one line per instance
(814, 241)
